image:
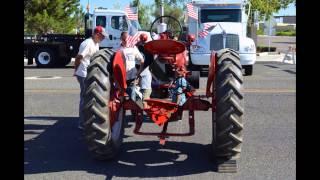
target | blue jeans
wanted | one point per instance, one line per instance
(81, 103)
(131, 92)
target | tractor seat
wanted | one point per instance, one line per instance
(169, 47)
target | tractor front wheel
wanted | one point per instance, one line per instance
(227, 120)
(103, 140)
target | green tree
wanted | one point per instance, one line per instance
(171, 7)
(143, 14)
(116, 5)
(59, 16)
(267, 7)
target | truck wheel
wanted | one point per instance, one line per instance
(103, 140)
(45, 58)
(227, 121)
(194, 79)
(248, 70)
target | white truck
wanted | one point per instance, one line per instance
(115, 22)
(220, 24)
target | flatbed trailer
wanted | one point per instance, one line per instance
(51, 50)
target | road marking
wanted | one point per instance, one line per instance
(42, 77)
(26, 60)
(251, 90)
(269, 91)
(52, 90)
(259, 90)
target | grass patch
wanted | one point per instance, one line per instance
(286, 33)
(266, 49)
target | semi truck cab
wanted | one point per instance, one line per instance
(220, 24)
(114, 22)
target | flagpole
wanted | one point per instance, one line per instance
(88, 7)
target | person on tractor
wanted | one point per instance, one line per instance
(132, 57)
(178, 89)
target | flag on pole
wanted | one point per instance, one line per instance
(192, 11)
(207, 27)
(132, 13)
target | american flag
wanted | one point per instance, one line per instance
(192, 11)
(205, 31)
(132, 40)
(132, 13)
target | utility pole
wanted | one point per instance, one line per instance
(88, 7)
(269, 25)
(161, 10)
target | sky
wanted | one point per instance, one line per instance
(291, 10)
(110, 3)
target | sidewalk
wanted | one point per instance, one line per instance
(265, 57)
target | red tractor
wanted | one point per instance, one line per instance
(106, 102)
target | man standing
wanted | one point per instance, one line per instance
(87, 48)
(132, 57)
(145, 85)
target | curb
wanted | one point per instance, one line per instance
(268, 53)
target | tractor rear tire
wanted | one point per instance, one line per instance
(103, 140)
(228, 118)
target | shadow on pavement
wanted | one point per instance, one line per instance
(60, 147)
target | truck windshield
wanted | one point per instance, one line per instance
(220, 15)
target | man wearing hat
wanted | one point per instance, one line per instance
(87, 48)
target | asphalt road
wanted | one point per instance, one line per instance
(54, 149)
(282, 43)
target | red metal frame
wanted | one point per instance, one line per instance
(160, 111)
(170, 110)
(117, 86)
(211, 79)
(119, 70)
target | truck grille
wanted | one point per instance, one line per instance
(232, 42)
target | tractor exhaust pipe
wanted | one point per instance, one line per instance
(162, 27)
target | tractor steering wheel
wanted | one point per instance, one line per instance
(173, 26)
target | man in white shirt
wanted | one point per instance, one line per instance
(132, 57)
(87, 48)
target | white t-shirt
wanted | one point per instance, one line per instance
(87, 48)
(146, 79)
(133, 57)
